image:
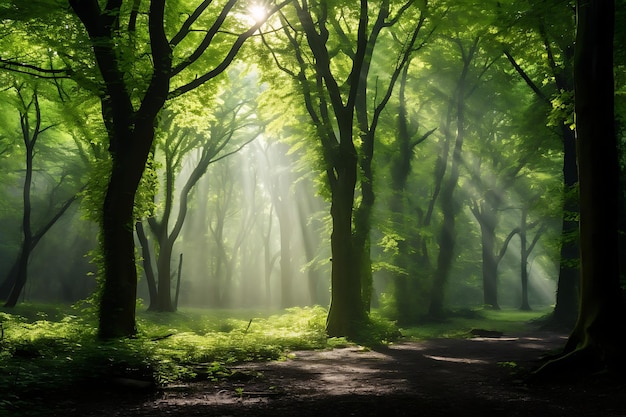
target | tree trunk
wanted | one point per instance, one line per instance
(346, 309)
(490, 262)
(9, 281)
(601, 296)
(400, 171)
(446, 242)
(119, 288)
(525, 306)
(20, 277)
(27, 239)
(597, 341)
(131, 133)
(164, 274)
(363, 221)
(147, 265)
(566, 307)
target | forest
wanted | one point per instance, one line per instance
(195, 194)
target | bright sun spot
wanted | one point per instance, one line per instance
(258, 13)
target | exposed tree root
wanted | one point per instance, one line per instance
(585, 362)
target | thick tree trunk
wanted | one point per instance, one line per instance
(119, 288)
(598, 327)
(597, 341)
(566, 307)
(346, 312)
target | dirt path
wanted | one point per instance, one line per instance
(442, 377)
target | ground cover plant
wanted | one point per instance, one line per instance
(48, 350)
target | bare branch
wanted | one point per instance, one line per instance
(34, 70)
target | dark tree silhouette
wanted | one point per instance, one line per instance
(597, 341)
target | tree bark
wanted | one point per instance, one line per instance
(601, 300)
(597, 341)
(346, 313)
(566, 307)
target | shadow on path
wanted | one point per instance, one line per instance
(440, 377)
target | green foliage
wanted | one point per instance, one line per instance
(562, 110)
(377, 331)
(47, 348)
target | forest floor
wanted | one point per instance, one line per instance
(440, 377)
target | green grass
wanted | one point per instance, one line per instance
(46, 349)
(460, 323)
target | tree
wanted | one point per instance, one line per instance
(473, 67)
(32, 129)
(278, 183)
(194, 149)
(130, 116)
(599, 335)
(554, 94)
(335, 93)
(525, 251)
(407, 138)
(493, 173)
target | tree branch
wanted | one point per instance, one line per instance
(230, 56)
(208, 38)
(186, 27)
(525, 77)
(505, 244)
(34, 70)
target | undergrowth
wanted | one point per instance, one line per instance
(46, 349)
